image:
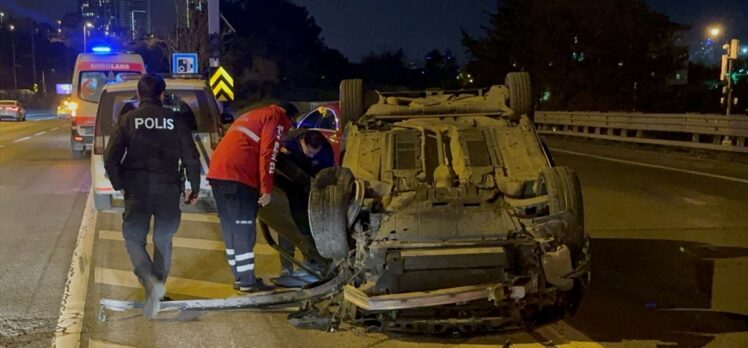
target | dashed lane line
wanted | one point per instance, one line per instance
(190, 243)
(174, 285)
(73, 306)
(40, 133)
(22, 139)
(54, 129)
(729, 178)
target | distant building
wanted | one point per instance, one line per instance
(135, 15)
(109, 16)
(100, 12)
(191, 6)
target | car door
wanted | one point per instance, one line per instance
(325, 119)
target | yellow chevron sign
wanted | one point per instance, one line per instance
(222, 85)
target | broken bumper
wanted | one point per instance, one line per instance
(494, 292)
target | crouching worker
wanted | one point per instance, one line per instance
(310, 152)
(241, 176)
(142, 159)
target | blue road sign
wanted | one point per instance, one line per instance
(184, 63)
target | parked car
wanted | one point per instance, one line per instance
(189, 96)
(12, 110)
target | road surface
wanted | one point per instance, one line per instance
(670, 251)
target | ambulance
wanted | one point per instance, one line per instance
(93, 71)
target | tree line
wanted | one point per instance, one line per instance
(578, 56)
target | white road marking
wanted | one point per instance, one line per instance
(715, 176)
(54, 129)
(185, 216)
(694, 201)
(174, 285)
(40, 133)
(190, 243)
(73, 306)
(104, 344)
(22, 139)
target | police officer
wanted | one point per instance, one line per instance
(241, 176)
(142, 159)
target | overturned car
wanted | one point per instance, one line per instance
(445, 214)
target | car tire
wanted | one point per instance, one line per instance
(329, 197)
(565, 194)
(520, 94)
(102, 201)
(561, 184)
(351, 100)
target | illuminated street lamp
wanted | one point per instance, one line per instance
(2, 17)
(732, 50)
(86, 26)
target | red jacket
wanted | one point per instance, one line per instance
(248, 151)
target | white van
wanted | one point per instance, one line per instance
(92, 72)
(207, 131)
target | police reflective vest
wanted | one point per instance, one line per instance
(248, 151)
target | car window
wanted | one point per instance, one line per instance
(192, 102)
(92, 83)
(323, 118)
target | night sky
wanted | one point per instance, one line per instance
(357, 27)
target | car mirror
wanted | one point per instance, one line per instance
(227, 118)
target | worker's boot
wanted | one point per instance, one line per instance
(154, 291)
(257, 286)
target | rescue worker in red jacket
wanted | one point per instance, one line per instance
(241, 176)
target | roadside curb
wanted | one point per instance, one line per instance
(73, 305)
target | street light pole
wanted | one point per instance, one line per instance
(33, 53)
(13, 49)
(85, 34)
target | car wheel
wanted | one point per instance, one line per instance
(520, 94)
(561, 184)
(351, 100)
(565, 195)
(102, 201)
(329, 198)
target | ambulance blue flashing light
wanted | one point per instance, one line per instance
(101, 49)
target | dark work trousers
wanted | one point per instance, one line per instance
(237, 211)
(298, 202)
(164, 208)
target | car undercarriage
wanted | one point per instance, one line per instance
(445, 215)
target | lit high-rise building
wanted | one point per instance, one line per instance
(135, 15)
(132, 16)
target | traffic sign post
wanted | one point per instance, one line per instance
(184, 63)
(222, 85)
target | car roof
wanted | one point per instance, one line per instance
(172, 84)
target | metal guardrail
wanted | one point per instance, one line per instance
(701, 131)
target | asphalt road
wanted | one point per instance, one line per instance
(670, 259)
(42, 196)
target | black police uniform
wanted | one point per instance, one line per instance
(142, 158)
